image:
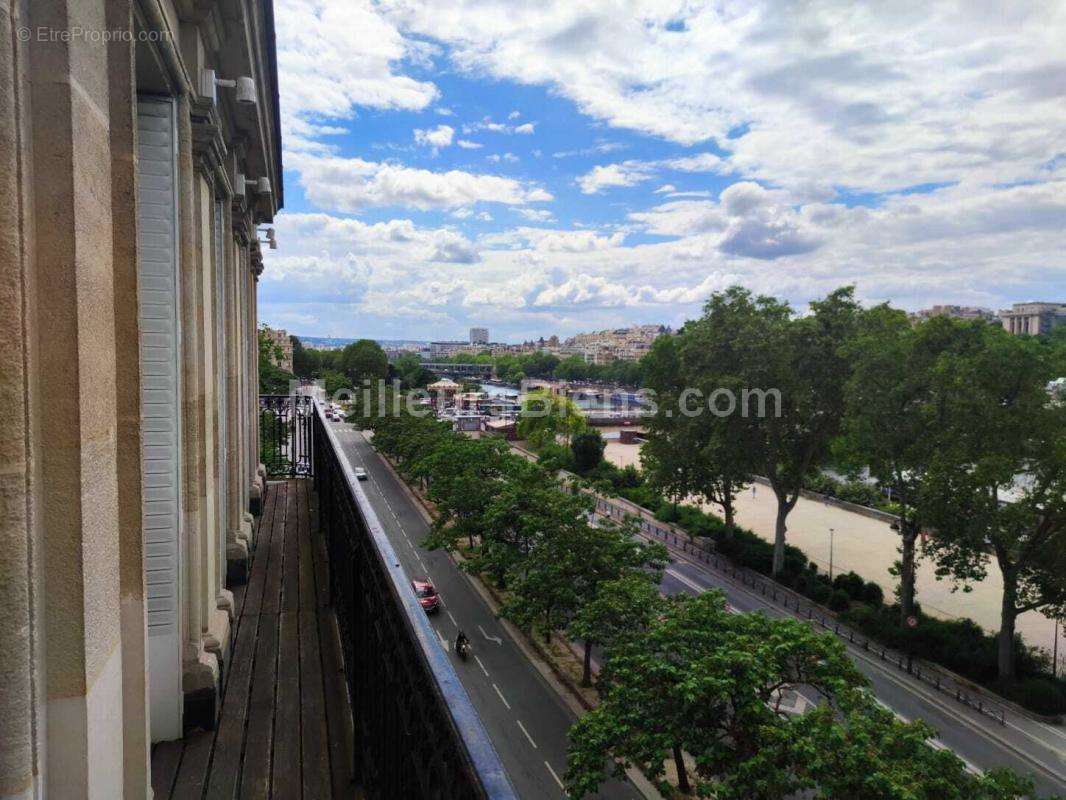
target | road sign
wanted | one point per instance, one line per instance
(912, 622)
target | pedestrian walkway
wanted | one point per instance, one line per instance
(285, 726)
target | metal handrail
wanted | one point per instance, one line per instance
(417, 732)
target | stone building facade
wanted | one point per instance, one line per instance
(1033, 319)
(282, 356)
(139, 151)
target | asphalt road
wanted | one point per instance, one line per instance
(522, 713)
(1023, 745)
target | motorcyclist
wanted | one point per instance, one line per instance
(461, 643)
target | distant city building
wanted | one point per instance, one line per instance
(603, 347)
(959, 312)
(479, 336)
(280, 339)
(438, 350)
(1033, 318)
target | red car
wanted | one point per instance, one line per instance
(427, 595)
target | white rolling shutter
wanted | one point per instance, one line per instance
(158, 319)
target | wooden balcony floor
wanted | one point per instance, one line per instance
(285, 726)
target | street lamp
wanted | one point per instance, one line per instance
(830, 554)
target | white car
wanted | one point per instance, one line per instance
(360, 473)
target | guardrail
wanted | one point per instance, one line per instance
(285, 434)
(416, 732)
(942, 680)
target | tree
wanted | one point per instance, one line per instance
(621, 608)
(305, 362)
(888, 424)
(587, 449)
(861, 749)
(364, 360)
(411, 373)
(545, 417)
(708, 683)
(703, 454)
(802, 359)
(569, 559)
(272, 378)
(464, 476)
(997, 482)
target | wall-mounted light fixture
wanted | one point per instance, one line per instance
(245, 87)
(270, 239)
(257, 185)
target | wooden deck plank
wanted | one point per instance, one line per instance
(253, 594)
(259, 745)
(195, 762)
(314, 740)
(271, 601)
(338, 711)
(287, 778)
(166, 756)
(285, 727)
(226, 764)
(290, 591)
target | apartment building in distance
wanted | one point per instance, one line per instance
(282, 355)
(136, 164)
(479, 336)
(1033, 319)
(958, 312)
(619, 344)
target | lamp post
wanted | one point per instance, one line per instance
(1055, 653)
(830, 554)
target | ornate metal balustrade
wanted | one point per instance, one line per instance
(285, 432)
(417, 734)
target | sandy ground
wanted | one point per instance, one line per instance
(869, 547)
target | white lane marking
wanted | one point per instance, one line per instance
(523, 727)
(496, 639)
(696, 587)
(552, 771)
(443, 641)
(478, 660)
(449, 613)
(503, 699)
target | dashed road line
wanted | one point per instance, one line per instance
(449, 613)
(523, 727)
(552, 771)
(443, 641)
(504, 701)
(478, 660)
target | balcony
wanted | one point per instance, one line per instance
(327, 616)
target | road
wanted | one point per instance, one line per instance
(1025, 746)
(523, 714)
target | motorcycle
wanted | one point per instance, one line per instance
(462, 648)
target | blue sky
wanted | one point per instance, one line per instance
(544, 168)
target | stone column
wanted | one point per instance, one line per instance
(137, 737)
(64, 736)
(239, 535)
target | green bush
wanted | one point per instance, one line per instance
(839, 600)
(821, 592)
(1040, 694)
(873, 594)
(851, 583)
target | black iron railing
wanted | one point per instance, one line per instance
(285, 433)
(417, 734)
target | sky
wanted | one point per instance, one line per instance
(545, 168)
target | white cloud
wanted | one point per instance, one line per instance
(441, 136)
(466, 144)
(606, 176)
(701, 162)
(335, 57)
(514, 115)
(352, 184)
(666, 188)
(526, 128)
(536, 214)
(876, 97)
